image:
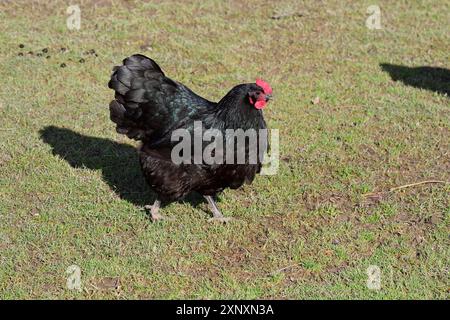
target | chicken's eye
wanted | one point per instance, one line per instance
(254, 96)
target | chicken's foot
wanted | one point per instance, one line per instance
(217, 215)
(154, 211)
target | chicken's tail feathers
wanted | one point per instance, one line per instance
(136, 84)
(148, 105)
(121, 116)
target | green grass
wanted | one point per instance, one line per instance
(71, 190)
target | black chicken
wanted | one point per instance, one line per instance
(149, 107)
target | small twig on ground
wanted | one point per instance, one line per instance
(416, 184)
(406, 186)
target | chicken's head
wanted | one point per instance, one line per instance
(260, 94)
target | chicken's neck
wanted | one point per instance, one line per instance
(237, 113)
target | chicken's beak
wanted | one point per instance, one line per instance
(268, 97)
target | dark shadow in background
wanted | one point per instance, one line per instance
(430, 78)
(118, 162)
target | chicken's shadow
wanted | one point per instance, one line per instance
(429, 78)
(118, 163)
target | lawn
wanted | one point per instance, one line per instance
(357, 114)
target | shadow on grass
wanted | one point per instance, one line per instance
(430, 78)
(118, 162)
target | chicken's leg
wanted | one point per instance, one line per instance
(154, 211)
(217, 215)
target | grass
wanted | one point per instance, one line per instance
(71, 190)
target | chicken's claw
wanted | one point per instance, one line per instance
(155, 216)
(220, 219)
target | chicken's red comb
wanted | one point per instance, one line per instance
(266, 87)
